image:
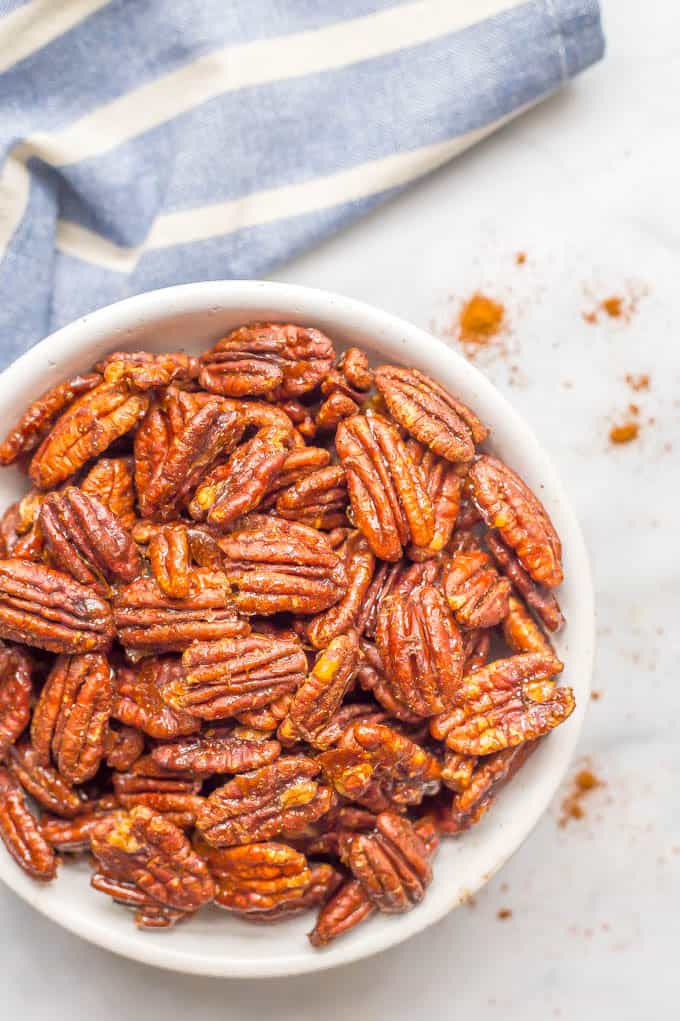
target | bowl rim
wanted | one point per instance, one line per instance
(311, 305)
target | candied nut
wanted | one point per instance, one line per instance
(351, 377)
(255, 877)
(151, 445)
(332, 732)
(392, 864)
(300, 417)
(387, 490)
(216, 750)
(21, 834)
(153, 853)
(16, 692)
(344, 911)
(43, 783)
(474, 591)
(476, 646)
(122, 747)
(336, 407)
(457, 770)
(521, 631)
(324, 880)
(149, 914)
(265, 357)
(84, 430)
(503, 704)
(473, 799)
(46, 608)
(70, 835)
(143, 370)
(283, 798)
(237, 675)
(380, 768)
(110, 481)
(170, 559)
(319, 500)
(430, 413)
(384, 580)
(443, 484)
(544, 604)
(268, 717)
(149, 621)
(506, 503)
(371, 678)
(170, 793)
(298, 464)
(72, 714)
(421, 649)
(359, 566)
(238, 486)
(40, 416)
(139, 700)
(84, 539)
(322, 691)
(273, 566)
(204, 433)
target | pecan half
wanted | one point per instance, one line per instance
(42, 782)
(170, 558)
(149, 914)
(319, 500)
(237, 675)
(84, 430)
(265, 357)
(151, 852)
(457, 770)
(430, 413)
(443, 484)
(69, 835)
(475, 593)
(479, 791)
(421, 649)
(299, 463)
(392, 864)
(139, 700)
(333, 410)
(359, 567)
(170, 793)
(216, 750)
(477, 645)
(321, 693)
(384, 580)
(268, 717)
(387, 490)
(149, 621)
(506, 503)
(46, 608)
(16, 692)
(144, 370)
(281, 798)
(40, 416)
(344, 911)
(110, 481)
(72, 715)
(504, 704)
(371, 677)
(255, 877)
(84, 539)
(122, 747)
(542, 602)
(274, 566)
(21, 834)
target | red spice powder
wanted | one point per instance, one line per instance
(582, 784)
(624, 433)
(521, 258)
(480, 319)
(638, 383)
(504, 913)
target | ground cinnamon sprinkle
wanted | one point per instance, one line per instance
(504, 913)
(624, 433)
(617, 306)
(480, 319)
(638, 383)
(613, 307)
(583, 783)
(521, 258)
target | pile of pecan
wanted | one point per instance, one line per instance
(248, 612)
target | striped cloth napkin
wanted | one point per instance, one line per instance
(149, 142)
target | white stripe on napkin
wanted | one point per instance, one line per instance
(35, 24)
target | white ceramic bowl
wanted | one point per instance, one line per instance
(192, 317)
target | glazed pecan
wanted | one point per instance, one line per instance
(371, 677)
(42, 782)
(331, 733)
(351, 377)
(430, 413)
(237, 675)
(321, 693)
(333, 410)
(72, 715)
(46, 608)
(377, 767)
(421, 649)
(476, 646)
(359, 566)
(387, 490)
(86, 540)
(122, 747)
(16, 692)
(149, 914)
(319, 500)
(521, 631)
(474, 591)
(255, 877)
(384, 580)
(268, 718)
(503, 704)
(170, 558)
(143, 370)
(167, 792)
(149, 621)
(274, 566)
(110, 481)
(153, 853)
(216, 750)
(344, 911)
(482, 782)
(300, 417)
(299, 463)
(266, 357)
(542, 602)
(457, 770)
(392, 864)
(323, 881)
(40, 416)
(139, 699)
(21, 834)
(84, 430)
(282, 798)
(443, 484)
(506, 503)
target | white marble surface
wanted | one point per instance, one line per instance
(587, 185)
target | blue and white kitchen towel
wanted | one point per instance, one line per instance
(149, 142)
